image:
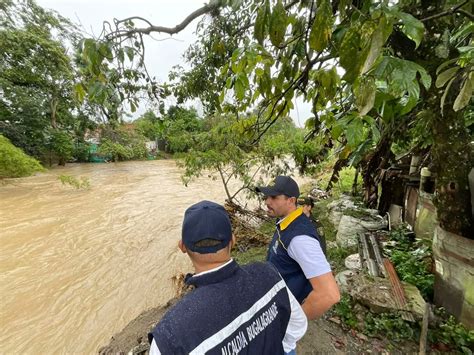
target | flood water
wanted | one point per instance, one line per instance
(77, 265)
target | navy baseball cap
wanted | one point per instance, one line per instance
(282, 185)
(206, 220)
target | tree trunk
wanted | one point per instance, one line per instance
(354, 184)
(453, 158)
(338, 166)
(370, 169)
(54, 105)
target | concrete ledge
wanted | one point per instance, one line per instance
(454, 277)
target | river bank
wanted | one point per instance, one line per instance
(323, 336)
(327, 335)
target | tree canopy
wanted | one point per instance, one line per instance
(382, 78)
(378, 74)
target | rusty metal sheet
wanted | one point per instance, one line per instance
(398, 292)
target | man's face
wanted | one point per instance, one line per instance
(279, 206)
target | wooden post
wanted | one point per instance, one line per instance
(424, 329)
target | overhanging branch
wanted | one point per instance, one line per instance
(161, 29)
(450, 11)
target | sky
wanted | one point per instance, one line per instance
(162, 51)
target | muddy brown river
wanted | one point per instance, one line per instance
(77, 265)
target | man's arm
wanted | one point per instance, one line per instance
(308, 254)
(324, 295)
(297, 324)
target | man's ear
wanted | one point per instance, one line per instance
(181, 246)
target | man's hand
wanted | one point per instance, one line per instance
(324, 295)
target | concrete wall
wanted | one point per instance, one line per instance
(426, 219)
(454, 277)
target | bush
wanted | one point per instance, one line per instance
(345, 310)
(82, 183)
(117, 151)
(390, 326)
(14, 162)
(81, 152)
(412, 260)
(452, 333)
(61, 143)
(123, 144)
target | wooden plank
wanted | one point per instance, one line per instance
(424, 329)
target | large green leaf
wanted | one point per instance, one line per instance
(425, 78)
(379, 37)
(79, 91)
(355, 132)
(364, 90)
(443, 98)
(445, 76)
(241, 85)
(465, 95)
(322, 26)
(259, 28)
(349, 54)
(278, 24)
(412, 28)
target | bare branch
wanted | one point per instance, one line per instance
(447, 12)
(170, 30)
(465, 13)
(117, 22)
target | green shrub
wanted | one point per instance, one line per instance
(122, 144)
(412, 260)
(82, 152)
(117, 151)
(389, 325)
(452, 333)
(345, 310)
(14, 162)
(61, 143)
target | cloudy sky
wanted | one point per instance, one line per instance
(162, 52)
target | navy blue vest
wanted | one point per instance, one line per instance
(233, 310)
(289, 269)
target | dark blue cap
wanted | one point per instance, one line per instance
(206, 220)
(282, 185)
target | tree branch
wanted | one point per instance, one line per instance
(170, 30)
(447, 12)
(465, 13)
(225, 185)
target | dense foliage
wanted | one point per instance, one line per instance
(14, 162)
(380, 76)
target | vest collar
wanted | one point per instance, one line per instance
(213, 276)
(285, 222)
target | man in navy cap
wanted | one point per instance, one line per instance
(233, 309)
(296, 250)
